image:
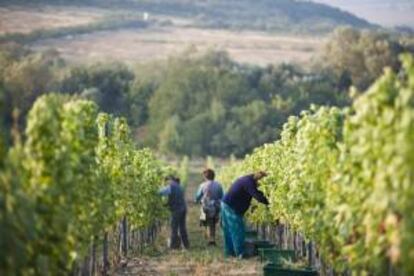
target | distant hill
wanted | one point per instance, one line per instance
(268, 15)
(389, 13)
(273, 15)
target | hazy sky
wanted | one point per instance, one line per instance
(384, 12)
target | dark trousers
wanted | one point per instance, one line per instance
(179, 230)
(211, 225)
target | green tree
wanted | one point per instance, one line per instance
(109, 82)
(224, 107)
(169, 138)
(361, 56)
(25, 77)
(184, 170)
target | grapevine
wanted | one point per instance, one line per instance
(76, 175)
(344, 177)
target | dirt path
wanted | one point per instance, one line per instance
(199, 260)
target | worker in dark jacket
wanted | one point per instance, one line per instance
(233, 207)
(178, 208)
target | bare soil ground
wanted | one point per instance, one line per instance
(18, 19)
(200, 260)
(161, 42)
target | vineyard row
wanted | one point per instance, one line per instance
(343, 177)
(73, 180)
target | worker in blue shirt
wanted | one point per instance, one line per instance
(178, 208)
(209, 194)
(233, 207)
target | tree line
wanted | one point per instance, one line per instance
(200, 103)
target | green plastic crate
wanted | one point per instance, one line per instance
(275, 255)
(276, 270)
(262, 244)
(251, 247)
(250, 234)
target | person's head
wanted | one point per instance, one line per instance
(209, 174)
(172, 178)
(259, 175)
